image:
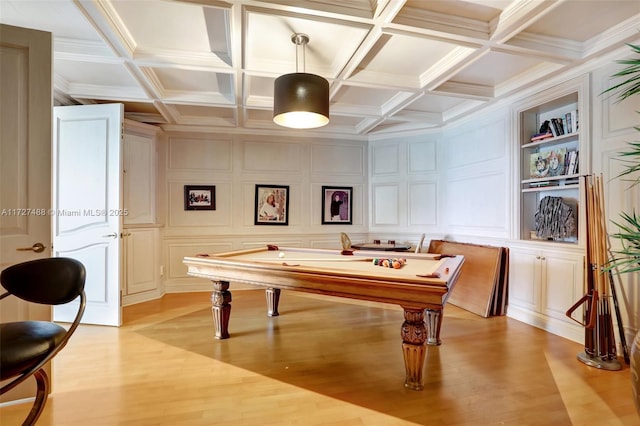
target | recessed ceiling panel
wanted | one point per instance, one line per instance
(494, 68)
(358, 8)
(60, 17)
(201, 115)
(483, 10)
(269, 48)
(582, 20)
(400, 60)
(165, 25)
(434, 103)
(94, 74)
(185, 80)
(370, 100)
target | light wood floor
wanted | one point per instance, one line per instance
(323, 361)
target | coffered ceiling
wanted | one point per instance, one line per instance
(392, 65)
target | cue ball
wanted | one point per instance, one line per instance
(281, 255)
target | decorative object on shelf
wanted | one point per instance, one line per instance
(272, 205)
(345, 241)
(337, 205)
(300, 99)
(555, 219)
(548, 163)
(627, 260)
(199, 197)
(556, 162)
(539, 165)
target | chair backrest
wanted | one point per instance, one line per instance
(28, 345)
(51, 281)
(419, 246)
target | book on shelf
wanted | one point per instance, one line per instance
(565, 124)
(556, 123)
(541, 136)
(571, 162)
(572, 181)
(569, 122)
(543, 184)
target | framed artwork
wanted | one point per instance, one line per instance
(337, 205)
(549, 163)
(199, 197)
(272, 205)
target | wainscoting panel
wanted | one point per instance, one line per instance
(332, 160)
(477, 145)
(385, 205)
(477, 202)
(386, 160)
(261, 156)
(211, 153)
(422, 157)
(423, 203)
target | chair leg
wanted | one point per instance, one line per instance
(42, 380)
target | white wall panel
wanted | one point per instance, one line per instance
(476, 145)
(271, 156)
(616, 116)
(200, 154)
(342, 160)
(386, 205)
(422, 157)
(477, 201)
(423, 203)
(386, 160)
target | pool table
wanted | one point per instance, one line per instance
(420, 286)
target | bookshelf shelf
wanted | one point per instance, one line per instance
(552, 188)
(551, 141)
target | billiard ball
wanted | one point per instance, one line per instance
(281, 255)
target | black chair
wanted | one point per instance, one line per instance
(26, 346)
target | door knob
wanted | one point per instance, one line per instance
(111, 235)
(37, 247)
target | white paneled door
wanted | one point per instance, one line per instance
(25, 166)
(87, 200)
(25, 135)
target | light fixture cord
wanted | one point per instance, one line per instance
(300, 47)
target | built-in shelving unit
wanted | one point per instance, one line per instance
(552, 151)
(546, 274)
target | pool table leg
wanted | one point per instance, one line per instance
(414, 337)
(273, 297)
(221, 308)
(434, 322)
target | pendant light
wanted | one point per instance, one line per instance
(301, 100)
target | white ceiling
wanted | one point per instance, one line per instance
(392, 64)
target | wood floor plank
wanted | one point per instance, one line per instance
(323, 361)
